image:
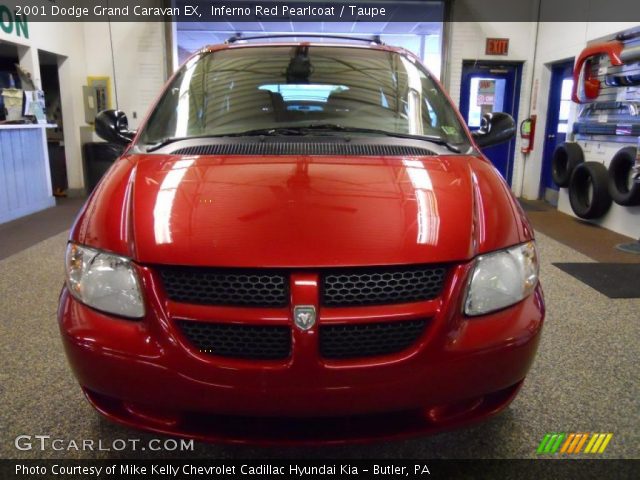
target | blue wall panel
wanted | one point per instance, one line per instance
(24, 177)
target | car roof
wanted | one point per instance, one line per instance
(246, 44)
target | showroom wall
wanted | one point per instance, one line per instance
(138, 66)
(553, 42)
(467, 42)
(557, 42)
(65, 39)
(560, 42)
(140, 70)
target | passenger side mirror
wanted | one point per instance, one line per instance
(496, 128)
(113, 126)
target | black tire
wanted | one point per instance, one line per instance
(566, 157)
(586, 177)
(619, 172)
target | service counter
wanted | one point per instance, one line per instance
(25, 175)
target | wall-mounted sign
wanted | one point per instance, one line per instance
(497, 46)
(486, 92)
(11, 23)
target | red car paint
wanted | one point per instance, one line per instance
(301, 213)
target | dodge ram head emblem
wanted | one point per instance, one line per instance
(304, 316)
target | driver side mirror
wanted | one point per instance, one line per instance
(496, 128)
(113, 126)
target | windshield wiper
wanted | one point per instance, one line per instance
(248, 133)
(334, 127)
(308, 130)
(341, 128)
(166, 141)
(268, 132)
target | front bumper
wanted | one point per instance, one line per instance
(145, 375)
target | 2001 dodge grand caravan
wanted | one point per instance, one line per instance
(298, 235)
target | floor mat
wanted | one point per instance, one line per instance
(589, 239)
(615, 280)
(533, 206)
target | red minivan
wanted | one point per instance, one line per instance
(301, 243)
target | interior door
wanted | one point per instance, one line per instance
(556, 127)
(491, 87)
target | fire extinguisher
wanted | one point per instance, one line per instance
(528, 133)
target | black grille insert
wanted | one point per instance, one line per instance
(239, 288)
(303, 148)
(368, 339)
(380, 286)
(255, 342)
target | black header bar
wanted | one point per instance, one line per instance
(216, 11)
(234, 469)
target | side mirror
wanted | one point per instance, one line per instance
(113, 126)
(496, 128)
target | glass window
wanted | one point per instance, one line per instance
(487, 96)
(567, 86)
(565, 105)
(304, 92)
(241, 89)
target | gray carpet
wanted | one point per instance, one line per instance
(32, 229)
(534, 205)
(584, 378)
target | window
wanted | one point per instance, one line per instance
(236, 90)
(565, 105)
(487, 96)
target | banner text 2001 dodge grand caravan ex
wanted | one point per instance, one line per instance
(301, 243)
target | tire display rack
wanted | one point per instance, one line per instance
(609, 119)
(607, 88)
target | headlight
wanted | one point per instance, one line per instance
(501, 279)
(104, 281)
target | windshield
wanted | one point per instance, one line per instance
(242, 89)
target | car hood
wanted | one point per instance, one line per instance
(300, 211)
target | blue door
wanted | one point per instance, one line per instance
(556, 128)
(491, 87)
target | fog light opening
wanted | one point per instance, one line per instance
(155, 415)
(453, 411)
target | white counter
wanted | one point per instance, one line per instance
(24, 126)
(25, 175)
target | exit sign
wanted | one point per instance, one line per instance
(497, 46)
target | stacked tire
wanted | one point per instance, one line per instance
(589, 190)
(566, 157)
(622, 187)
(593, 188)
(588, 182)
